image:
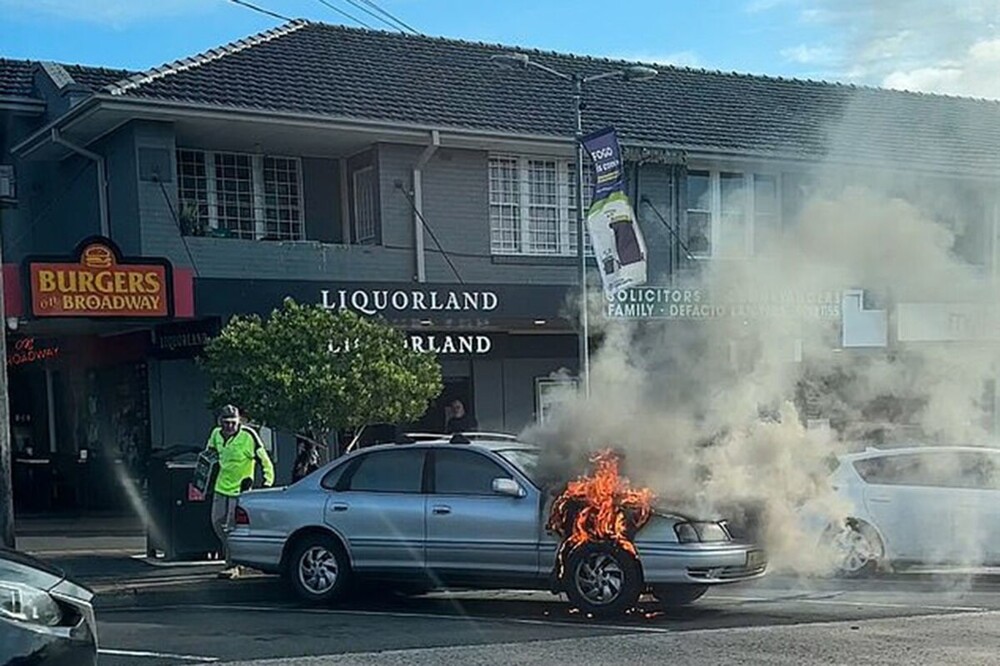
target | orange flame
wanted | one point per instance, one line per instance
(600, 507)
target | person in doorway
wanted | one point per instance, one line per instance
(307, 460)
(458, 419)
(239, 449)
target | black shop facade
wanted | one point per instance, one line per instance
(504, 350)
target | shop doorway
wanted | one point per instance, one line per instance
(435, 416)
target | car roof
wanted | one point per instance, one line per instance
(875, 452)
(455, 442)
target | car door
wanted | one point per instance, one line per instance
(473, 531)
(906, 505)
(975, 526)
(378, 506)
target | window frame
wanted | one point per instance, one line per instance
(347, 476)
(431, 467)
(716, 214)
(258, 192)
(371, 189)
(524, 231)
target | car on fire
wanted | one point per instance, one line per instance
(45, 619)
(913, 505)
(457, 512)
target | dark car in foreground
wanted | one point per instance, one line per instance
(45, 619)
(467, 513)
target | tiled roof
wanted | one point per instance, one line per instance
(322, 69)
(16, 76)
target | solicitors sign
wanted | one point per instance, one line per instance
(98, 282)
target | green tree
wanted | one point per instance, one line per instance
(313, 371)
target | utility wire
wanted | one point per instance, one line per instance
(375, 16)
(670, 228)
(430, 231)
(177, 222)
(267, 12)
(399, 21)
(343, 13)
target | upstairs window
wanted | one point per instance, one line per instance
(533, 206)
(364, 218)
(255, 197)
(731, 214)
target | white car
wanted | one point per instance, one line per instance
(926, 505)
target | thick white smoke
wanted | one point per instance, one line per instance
(712, 413)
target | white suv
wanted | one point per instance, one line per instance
(929, 504)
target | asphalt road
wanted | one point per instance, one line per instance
(945, 619)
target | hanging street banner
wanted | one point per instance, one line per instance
(614, 231)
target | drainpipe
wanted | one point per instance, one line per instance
(102, 178)
(418, 203)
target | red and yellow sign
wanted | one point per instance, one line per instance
(99, 284)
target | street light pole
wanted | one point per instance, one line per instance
(630, 73)
(580, 245)
(6, 483)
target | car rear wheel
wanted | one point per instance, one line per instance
(602, 579)
(673, 596)
(319, 570)
(857, 548)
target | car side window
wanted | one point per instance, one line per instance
(331, 478)
(893, 470)
(465, 473)
(934, 469)
(399, 471)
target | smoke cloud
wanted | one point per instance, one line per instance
(741, 415)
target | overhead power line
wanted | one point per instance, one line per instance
(347, 14)
(267, 12)
(391, 17)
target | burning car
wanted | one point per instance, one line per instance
(457, 512)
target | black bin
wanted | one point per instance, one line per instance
(180, 525)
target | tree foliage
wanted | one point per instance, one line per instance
(312, 371)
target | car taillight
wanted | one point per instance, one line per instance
(242, 517)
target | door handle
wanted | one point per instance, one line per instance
(441, 510)
(339, 506)
(882, 500)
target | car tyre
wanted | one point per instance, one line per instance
(675, 596)
(859, 549)
(319, 570)
(602, 579)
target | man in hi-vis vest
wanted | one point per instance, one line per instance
(239, 448)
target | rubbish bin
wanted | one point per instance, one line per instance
(180, 523)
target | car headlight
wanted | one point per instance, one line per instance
(27, 604)
(686, 533)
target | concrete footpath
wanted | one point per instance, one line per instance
(108, 555)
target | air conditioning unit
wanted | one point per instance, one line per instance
(7, 182)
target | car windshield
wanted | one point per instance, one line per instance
(525, 460)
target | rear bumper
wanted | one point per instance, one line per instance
(701, 564)
(258, 553)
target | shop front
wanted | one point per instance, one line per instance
(78, 340)
(497, 344)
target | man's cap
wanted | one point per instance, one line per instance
(229, 412)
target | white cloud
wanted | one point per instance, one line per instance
(927, 45)
(114, 13)
(806, 54)
(974, 74)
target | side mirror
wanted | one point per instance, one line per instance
(508, 487)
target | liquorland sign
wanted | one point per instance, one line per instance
(380, 301)
(99, 282)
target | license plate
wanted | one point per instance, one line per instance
(756, 559)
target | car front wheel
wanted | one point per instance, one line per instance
(318, 569)
(602, 579)
(673, 596)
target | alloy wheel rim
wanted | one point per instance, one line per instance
(318, 570)
(855, 548)
(599, 579)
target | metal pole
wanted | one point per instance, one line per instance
(580, 235)
(6, 483)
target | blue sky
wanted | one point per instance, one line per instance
(931, 45)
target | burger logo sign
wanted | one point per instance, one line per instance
(98, 282)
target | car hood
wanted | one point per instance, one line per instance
(18, 567)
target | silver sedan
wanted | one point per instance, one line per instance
(460, 513)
